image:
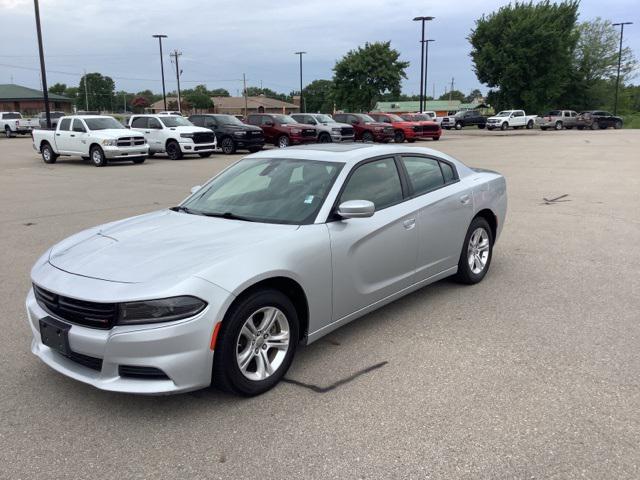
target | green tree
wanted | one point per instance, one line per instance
(365, 75)
(526, 51)
(454, 95)
(58, 88)
(473, 94)
(199, 100)
(219, 92)
(267, 92)
(99, 91)
(318, 96)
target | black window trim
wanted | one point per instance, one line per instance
(405, 173)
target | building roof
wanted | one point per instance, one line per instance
(11, 91)
(238, 103)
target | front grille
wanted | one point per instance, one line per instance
(255, 134)
(388, 130)
(85, 360)
(430, 128)
(81, 312)
(130, 141)
(148, 373)
(417, 128)
(203, 137)
(308, 133)
(346, 131)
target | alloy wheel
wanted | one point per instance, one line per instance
(478, 250)
(262, 344)
(283, 141)
(227, 146)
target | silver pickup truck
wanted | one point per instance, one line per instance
(328, 129)
(100, 139)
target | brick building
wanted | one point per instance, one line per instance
(236, 105)
(16, 98)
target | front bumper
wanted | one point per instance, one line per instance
(180, 349)
(297, 140)
(125, 152)
(382, 136)
(249, 142)
(190, 147)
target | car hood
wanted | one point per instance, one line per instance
(189, 129)
(242, 128)
(115, 133)
(159, 245)
(377, 124)
(337, 124)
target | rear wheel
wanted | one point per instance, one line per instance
(367, 137)
(173, 150)
(529, 124)
(594, 126)
(7, 131)
(256, 343)
(458, 126)
(97, 156)
(617, 125)
(477, 249)
(228, 146)
(283, 141)
(398, 136)
(48, 155)
(558, 126)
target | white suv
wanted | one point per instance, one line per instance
(174, 135)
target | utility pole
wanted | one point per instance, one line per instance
(124, 101)
(244, 94)
(426, 68)
(302, 107)
(451, 91)
(164, 94)
(86, 93)
(176, 54)
(622, 24)
(422, 92)
(43, 72)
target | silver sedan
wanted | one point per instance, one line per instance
(279, 249)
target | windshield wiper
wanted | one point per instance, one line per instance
(180, 208)
(229, 215)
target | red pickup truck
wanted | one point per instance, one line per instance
(409, 129)
(282, 130)
(365, 127)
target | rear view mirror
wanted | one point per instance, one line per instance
(356, 209)
(195, 189)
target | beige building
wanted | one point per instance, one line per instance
(236, 105)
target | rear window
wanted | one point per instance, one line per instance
(139, 122)
(554, 113)
(11, 116)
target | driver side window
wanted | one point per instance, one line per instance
(154, 123)
(376, 181)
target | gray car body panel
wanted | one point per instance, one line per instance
(346, 268)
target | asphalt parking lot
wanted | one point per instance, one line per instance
(533, 373)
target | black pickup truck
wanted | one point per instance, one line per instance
(469, 118)
(230, 132)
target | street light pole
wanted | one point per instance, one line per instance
(43, 72)
(426, 68)
(621, 24)
(423, 20)
(302, 106)
(164, 94)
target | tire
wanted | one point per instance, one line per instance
(204, 155)
(558, 125)
(283, 141)
(48, 155)
(458, 126)
(490, 128)
(544, 129)
(173, 150)
(324, 137)
(7, 131)
(139, 160)
(398, 136)
(466, 273)
(529, 124)
(580, 127)
(481, 126)
(411, 140)
(254, 149)
(435, 139)
(594, 126)
(569, 128)
(235, 334)
(367, 137)
(97, 156)
(150, 154)
(617, 125)
(504, 126)
(228, 146)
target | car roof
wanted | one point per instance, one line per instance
(348, 153)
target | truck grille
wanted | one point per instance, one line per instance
(255, 134)
(130, 141)
(388, 130)
(430, 128)
(346, 131)
(204, 137)
(81, 312)
(418, 128)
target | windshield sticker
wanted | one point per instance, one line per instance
(309, 199)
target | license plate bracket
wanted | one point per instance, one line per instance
(55, 335)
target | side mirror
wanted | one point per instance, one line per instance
(268, 124)
(195, 189)
(356, 209)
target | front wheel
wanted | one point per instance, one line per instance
(256, 343)
(48, 155)
(617, 125)
(458, 126)
(481, 126)
(283, 141)
(476, 253)
(398, 137)
(367, 137)
(228, 146)
(97, 157)
(173, 150)
(594, 126)
(504, 126)
(435, 139)
(324, 138)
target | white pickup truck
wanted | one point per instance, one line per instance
(511, 118)
(12, 123)
(174, 135)
(100, 139)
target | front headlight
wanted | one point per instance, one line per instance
(109, 143)
(186, 135)
(163, 310)
(239, 134)
(296, 130)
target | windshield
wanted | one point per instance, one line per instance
(11, 116)
(365, 118)
(102, 123)
(270, 190)
(394, 118)
(56, 114)
(175, 121)
(324, 118)
(416, 117)
(506, 113)
(284, 119)
(229, 120)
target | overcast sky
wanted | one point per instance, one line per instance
(220, 40)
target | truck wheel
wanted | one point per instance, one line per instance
(48, 155)
(580, 127)
(324, 137)
(594, 126)
(367, 137)
(97, 156)
(481, 126)
(173, 150)
(139, 160)
(228, 146)
(458, 126)
(504, 126)
(435, 139)
(558, 126)
(7, 132)
(617, 125)
(283, 141)
(529, 124)
(398, 137)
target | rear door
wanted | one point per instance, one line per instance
(63, 135)
(154, 135)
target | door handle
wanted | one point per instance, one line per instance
(465, 199)
(147, 131)
(72, 135)
(409, 223)
(57, 134)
